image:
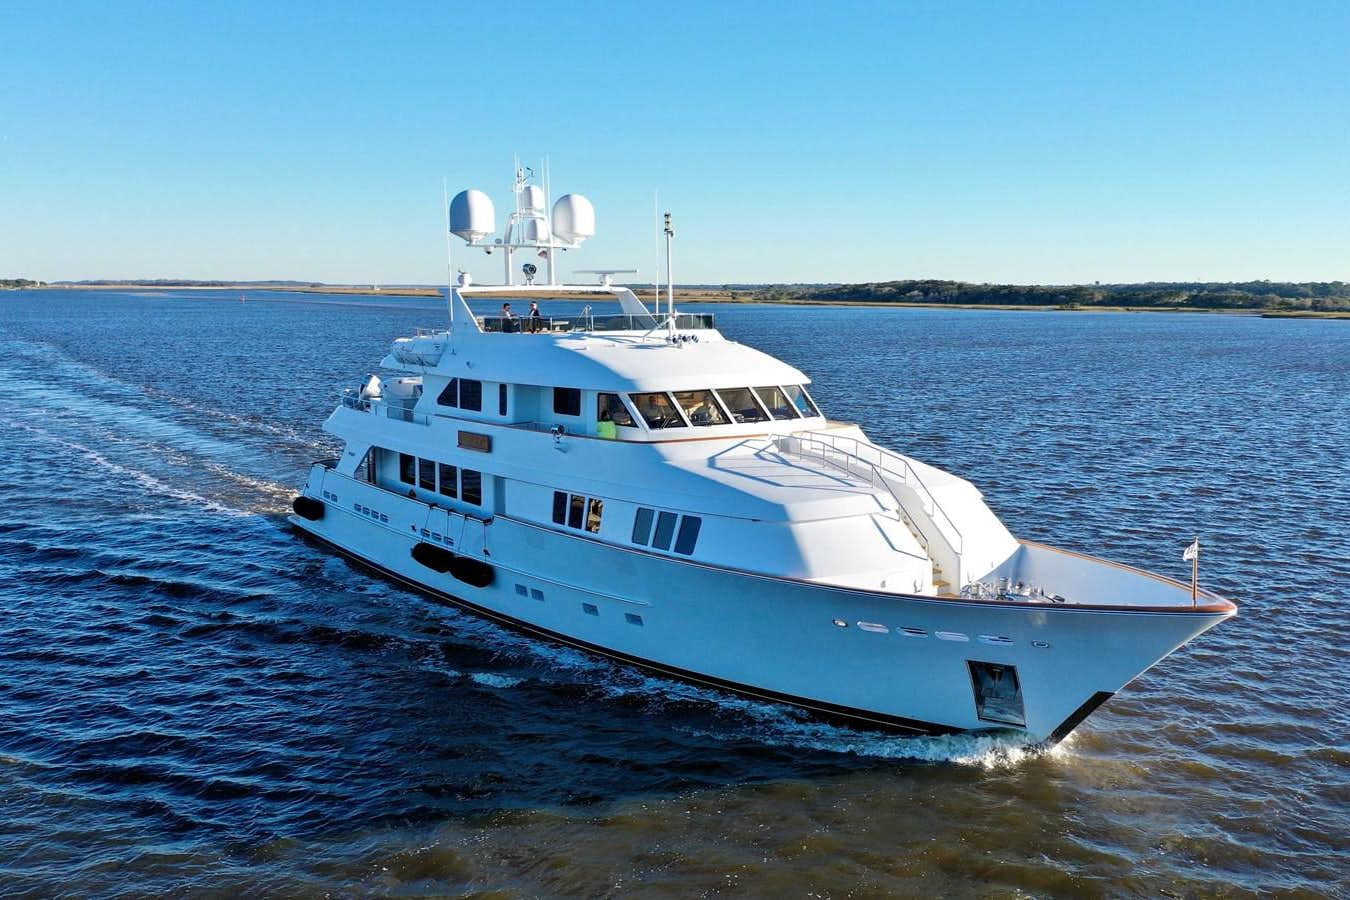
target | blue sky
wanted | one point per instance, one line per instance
(1037, 142)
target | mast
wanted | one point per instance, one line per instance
(449, 268)
(670, 276)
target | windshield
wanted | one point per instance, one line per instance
(776, 402)
(701, 408)
(657, 410)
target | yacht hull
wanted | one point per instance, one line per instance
(912, 664)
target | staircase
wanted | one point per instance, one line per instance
(930, 524)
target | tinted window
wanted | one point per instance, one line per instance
(741, 404)
(593, 511)
(688, 536)
(802, 400)
(609, 408)
(471, 395)
(560, 507)
(426, 474)
(665, 530)
(657, 410)
(642, 526)
(450, 394)
(471, 486)
(576, 511)
(448, 474)
(407, 468)
(776, 402)
(700, 407)
(501, 399)
(567, 401)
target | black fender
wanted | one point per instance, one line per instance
(308, 508)
(438, 559)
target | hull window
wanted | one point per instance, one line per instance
(688, 536)
(642, 526)
(998, 694)
(665, 530)
(593, 512)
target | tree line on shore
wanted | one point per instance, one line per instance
(1275, 295)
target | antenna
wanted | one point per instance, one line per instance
(449, 269)
(548, 206)
(656, 234)
(670, 276)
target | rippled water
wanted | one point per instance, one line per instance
(193, 699)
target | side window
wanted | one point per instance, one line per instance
(593, 511)
(576, 511)
(642, 526)
(449, 396)
(560, 507)
(657, 410)
(471, 486)
(665, 530)
(471, 394)
(742, 405)
(802, 400)
(448, 474)
(426, 475)
(407, 468)
(776, 402)
(609, 408)
(567, 401)
(688, 536)
(501, 399)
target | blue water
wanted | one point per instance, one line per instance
(193, 699)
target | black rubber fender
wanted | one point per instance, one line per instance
(308, 508)
(472, 572)
(438, 559)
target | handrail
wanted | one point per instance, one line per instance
(909, 475)
(384, 408)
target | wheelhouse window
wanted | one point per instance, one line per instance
(801, 399)
(464, 393)
(609, 408)
(407, 468)
(657, 410)
(567, 401)
(776, 402)
(701, 408)
(742, 405)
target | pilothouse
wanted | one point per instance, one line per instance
(629, 481)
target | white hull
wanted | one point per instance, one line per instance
(897, 660)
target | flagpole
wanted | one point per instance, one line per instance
(1195, 571)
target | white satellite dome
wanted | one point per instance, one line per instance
(573, 218)
(534, 231)
(472, 216)
(532, 197)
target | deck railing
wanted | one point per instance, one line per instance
(397, 412)
(589, 322)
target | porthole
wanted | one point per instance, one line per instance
(909, 631)
(840, 623)
(874, 627)
(632, 618)
(590, 609)
(952, 636)
(522, 590)
(997, 640)
(1043, 645)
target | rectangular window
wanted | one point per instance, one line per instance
(632, 618)
(567, 401)
(501, 399)
(590, 609)
(407, 468)
(449, 394)
(701, 408)
(471, 394)
(448, 475)
(560, 507)
(642, 526)
(802, 400)
(471, 486)
(665, 530)
(742, 405)
(577, 511)
(776, 402)
(688, 536)
(657, 410)
(593, 512)
(609, 408)
(426, 475)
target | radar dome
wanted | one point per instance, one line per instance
(472, 216)
(573, 218)
(532, 197)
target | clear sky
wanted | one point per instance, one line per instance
(1019, 142)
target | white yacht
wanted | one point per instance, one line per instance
(631, 482)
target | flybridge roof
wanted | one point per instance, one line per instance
(646, 358)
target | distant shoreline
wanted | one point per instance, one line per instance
(704, 295)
